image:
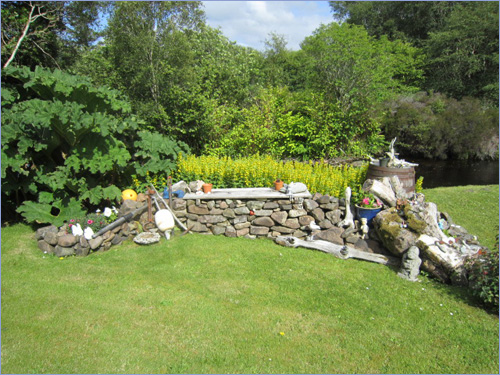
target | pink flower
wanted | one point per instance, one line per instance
(379, 203)
(366, 201)
(90, 221)
(72, 220)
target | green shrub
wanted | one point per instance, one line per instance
(261, 171)
(433, 126)
(66, 143)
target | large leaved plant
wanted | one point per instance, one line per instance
(66, 144)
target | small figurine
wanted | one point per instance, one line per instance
(410, 264)
(364, 228)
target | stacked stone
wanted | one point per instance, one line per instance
(61, 242)
(269, 218)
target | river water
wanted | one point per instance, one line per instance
(439, 173)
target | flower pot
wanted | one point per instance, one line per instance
(207, 188)
(367, 213)
(278, 185)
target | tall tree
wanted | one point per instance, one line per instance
(147, 41)
(463, 55)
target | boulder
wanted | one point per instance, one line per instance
(279, 217)
(390, 230)
(259, 231)
(62, 251)
(41, 232)
(67, 240)
(332, 235)
(264, 221)
(46, 247)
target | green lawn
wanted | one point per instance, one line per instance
(206, 304)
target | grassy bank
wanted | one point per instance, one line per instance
(206, 304)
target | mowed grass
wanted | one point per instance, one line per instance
(473, 207)
(206, 304)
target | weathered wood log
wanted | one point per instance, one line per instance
(381, 190)
(348, 221)
(338, 251)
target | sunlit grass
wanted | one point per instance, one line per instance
(206, 304)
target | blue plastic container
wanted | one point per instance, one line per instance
(367, 213)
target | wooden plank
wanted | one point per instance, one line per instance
(246, 193)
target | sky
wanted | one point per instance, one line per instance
(249, 23)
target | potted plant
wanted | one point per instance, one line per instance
(278, 184)
(367, 206)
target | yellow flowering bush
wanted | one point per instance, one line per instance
(262, 170)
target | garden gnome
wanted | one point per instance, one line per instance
(364, 228)
(410, 264)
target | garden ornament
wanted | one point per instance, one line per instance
(410, 264)
(349, 218)
(364, 228)
(168, 208)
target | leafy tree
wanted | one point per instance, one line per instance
(358, 70)
(463, 54)
(407, 20)
(28, 32)
(66, 142)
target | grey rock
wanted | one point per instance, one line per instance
(196, 226)
(81, 251)
(179, 214)
(242, 225)
(296, 213)
(292, 223)
(211, 219)
(216, 211)
(223, 205)
(178, 204)
(67, 240)
(305, 220)
(264, 221)
(270, 205)
(325, 224)
(147, 238)
(51, 238)
(181, 185)
(218, 229)
(332, 235)
(229, 213)
(61, 251)
(128, 206)
(40, 233)
(283, 230)
(242, 232)
(230, 232)
(210, 205)
(94, 243)
(240, 219)
(241, 210)
(299, 234)
(286, 206)
(45, 247)
(330, 206)
(334, 216)
(279, 217)
(310, 204)
(259, 231)
(324, 199)
(318, 214)
(263, 212)
(198, 210)
(255, 205)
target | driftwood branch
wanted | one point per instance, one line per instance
(338, 251)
